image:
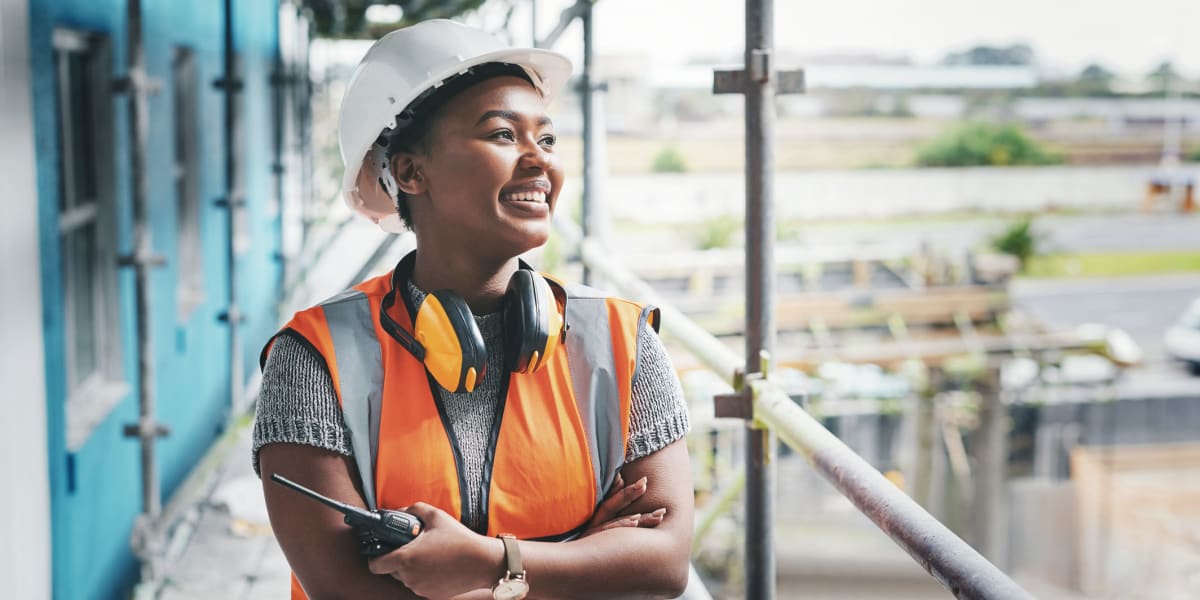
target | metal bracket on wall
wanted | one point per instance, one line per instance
(232, 314)
(224, 202)
(153, 261)
(228, 85)
(136, 81)
(146, 429)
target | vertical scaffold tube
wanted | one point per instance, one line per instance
(760, 290)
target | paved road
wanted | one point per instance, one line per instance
(1061, 233)
(1142, 306)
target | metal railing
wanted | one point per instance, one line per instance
(951, 561)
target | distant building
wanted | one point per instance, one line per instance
(1120, 113)
(641, 97)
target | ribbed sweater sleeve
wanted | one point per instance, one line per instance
(297, 403)
(658, 415)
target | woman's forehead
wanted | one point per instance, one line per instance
(502, 97)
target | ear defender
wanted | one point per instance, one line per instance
(454, 352)
(533, 322)
(447, 341)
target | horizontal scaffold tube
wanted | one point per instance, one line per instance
(952, 562)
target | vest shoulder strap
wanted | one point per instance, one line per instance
(350, 319)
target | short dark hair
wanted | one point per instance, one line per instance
(411, 133)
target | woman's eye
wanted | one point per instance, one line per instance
(504, 134)
(548, 140)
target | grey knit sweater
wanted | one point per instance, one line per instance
(297, 403)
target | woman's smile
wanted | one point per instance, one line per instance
(528, 198)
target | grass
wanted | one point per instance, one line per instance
(1114, 264)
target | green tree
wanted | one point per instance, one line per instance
(984, 144)
(1095, 80)
(1016, 54)
(717, 232)
(668, 160)
(347, 18)
(1163, 76)
(1019, 240)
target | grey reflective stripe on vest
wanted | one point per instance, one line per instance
(360, 378)
(594, 379)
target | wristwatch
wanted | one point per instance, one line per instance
(513, 585)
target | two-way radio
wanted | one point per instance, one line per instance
(379, 531)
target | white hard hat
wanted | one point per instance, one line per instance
(394, 72)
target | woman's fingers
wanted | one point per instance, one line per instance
(618, 500)
(652, 519)
(648, 520)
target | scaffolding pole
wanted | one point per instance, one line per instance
(758, 82)
(232, 202)
(147, 429)
(587, 92)
(760, 292)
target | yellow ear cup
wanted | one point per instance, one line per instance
(532, 322)
(454, 352)
(554, 323)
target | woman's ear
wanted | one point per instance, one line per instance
(406, 169)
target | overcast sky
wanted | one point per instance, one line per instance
(1128, 36)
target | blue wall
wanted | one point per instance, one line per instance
(96, 491)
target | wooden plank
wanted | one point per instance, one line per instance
(1138, 510)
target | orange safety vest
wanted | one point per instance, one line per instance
(556, 444)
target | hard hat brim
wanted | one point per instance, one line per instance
(548, 70)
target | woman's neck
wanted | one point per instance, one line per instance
(481, 283)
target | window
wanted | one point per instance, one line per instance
(85, 225)
(187, 182)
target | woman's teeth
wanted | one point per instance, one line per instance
(524, 197)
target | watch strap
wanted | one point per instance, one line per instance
(512, 555)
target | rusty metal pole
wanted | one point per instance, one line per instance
(233, 201)
(138, 85)
(587, 94)
(760, 290)
(991, 453)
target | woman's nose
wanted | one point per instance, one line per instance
(536, 157)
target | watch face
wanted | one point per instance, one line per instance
(510, 589)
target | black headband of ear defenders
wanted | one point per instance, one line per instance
(424, 105)
(400, 275)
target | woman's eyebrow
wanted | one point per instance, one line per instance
(511, 116)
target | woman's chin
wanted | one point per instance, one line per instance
(511, 239)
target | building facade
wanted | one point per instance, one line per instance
(70, 304)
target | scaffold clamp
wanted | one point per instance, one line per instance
(759, 70)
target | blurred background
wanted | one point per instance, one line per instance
(987, 258)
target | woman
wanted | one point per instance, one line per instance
(502, 409)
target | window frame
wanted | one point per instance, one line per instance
(185, 82)
(84, 107)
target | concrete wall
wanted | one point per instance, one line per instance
(882, 193)
(25, 507)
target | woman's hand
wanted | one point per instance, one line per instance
(445, 560)
(610, 512)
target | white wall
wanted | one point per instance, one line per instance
(24, 515)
